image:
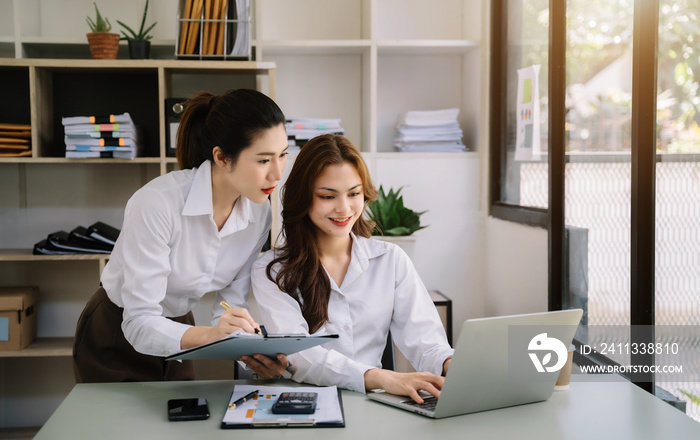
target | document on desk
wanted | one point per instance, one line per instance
(257, 412)
(240, 344)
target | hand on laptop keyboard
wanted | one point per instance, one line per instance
(429, 403)
(404, 384)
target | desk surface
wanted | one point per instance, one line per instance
(601, 410)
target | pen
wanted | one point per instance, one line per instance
(243, 399)
(260, 331)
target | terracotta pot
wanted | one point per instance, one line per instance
(103, 45)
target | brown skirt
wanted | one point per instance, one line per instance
(102, 354)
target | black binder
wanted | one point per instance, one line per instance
(103, 232)
(63, 240)
(173, 110)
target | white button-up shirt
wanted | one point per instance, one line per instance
(381, 291)
(170, 253)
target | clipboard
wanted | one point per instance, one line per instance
(241, 344)
(256, 413)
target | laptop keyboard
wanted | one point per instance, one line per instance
(429, 403)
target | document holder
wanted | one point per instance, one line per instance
(233, 347)
(256, 412)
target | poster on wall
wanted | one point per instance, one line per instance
(527, 139)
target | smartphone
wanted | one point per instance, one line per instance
(188, 409)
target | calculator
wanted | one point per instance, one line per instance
(295, 403)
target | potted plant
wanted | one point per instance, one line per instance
(139, 42)
(103, 43)
(394, 222)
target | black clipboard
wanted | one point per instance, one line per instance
(281, 422)
(233, 347)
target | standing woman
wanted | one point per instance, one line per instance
(330, 277)
(186, 233)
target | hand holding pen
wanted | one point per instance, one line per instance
(242, 313)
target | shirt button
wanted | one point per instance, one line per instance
(346, 327)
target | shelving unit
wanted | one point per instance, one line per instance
(364, 61)
(46, 192)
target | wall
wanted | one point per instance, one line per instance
(516, 275)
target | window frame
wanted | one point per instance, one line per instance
(643, 184)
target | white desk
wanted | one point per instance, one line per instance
(612, 410)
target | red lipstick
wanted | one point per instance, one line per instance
(269, 190)
(343, 223)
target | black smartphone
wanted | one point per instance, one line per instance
(188, 409)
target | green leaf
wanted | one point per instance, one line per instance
(391, 215)
(693, 398)
(399, 230)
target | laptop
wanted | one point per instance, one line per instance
(499, 362)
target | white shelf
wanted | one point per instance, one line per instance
(428, 47)
(422, 156)
(313, 47)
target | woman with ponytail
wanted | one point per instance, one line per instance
(330, 277)
(186, 233)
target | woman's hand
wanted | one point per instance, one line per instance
(265, 367)
(404, 384)
(232, 320)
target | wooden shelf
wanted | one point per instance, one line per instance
(43, 347)
(62, 160)
(26, 255)
(183, 65)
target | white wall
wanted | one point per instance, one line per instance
(516, 268)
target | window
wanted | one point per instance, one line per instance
(617, 183)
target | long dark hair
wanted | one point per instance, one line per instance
(301, 273)
(231, 121)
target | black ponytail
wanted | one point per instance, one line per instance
(231, 121)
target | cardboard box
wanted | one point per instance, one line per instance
(17, 317)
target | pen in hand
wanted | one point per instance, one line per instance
(260, 331)
(243, 399)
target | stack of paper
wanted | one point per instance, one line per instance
(301, 130)
(15, 140)
(113, 136)
(433, 130)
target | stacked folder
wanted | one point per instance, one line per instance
(15, 140)
(218, 28)
(301, 130)
(98, 238)
(429, 131)
(112, 136)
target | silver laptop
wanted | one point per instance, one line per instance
(499, 362)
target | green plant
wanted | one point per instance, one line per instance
(391, 216)
(142, 34)
(693, 398)
(100, 24)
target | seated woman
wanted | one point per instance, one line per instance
(330, 277)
